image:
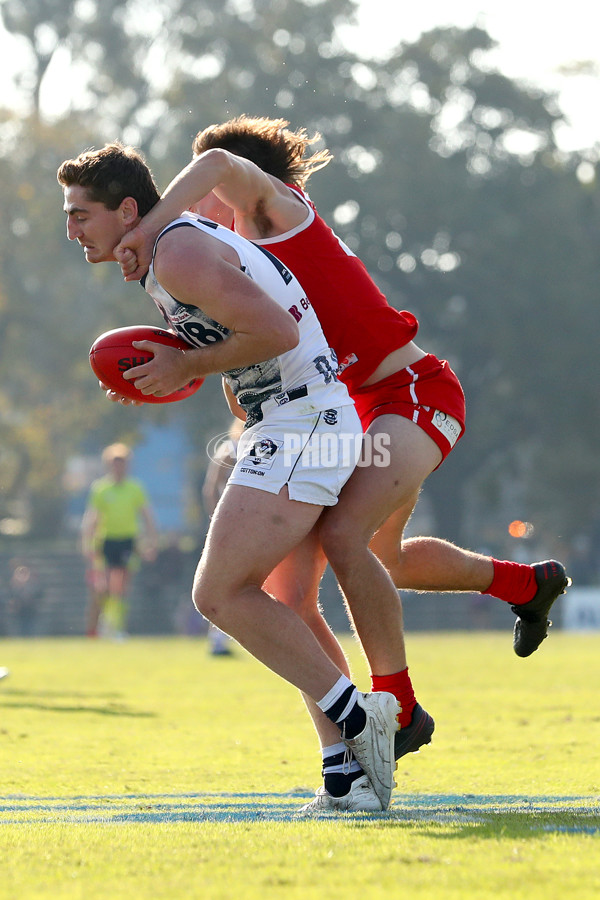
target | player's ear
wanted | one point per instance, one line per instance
(129, 210)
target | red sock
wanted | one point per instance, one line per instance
(401, 687)
(513, 582)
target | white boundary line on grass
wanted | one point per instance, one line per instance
(584, 812)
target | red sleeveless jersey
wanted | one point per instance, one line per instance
(359, 324)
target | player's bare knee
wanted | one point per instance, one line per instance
(211, 611)
(213, 599)
(338, 538)
(200, 602)
(206, 601)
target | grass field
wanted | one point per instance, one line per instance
(149, 769)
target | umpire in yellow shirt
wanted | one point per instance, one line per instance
(117, 511)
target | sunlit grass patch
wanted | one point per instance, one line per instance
(151, 769)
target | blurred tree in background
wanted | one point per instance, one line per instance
(447, 181)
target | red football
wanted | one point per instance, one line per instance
(113, 353)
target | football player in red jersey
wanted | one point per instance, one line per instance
(250, 174)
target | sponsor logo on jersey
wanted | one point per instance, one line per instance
(346, 362)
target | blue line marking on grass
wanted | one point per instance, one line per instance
(583, 812)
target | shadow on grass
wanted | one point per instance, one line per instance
(527, 825)
(13, 692)
(101, 704)
(509, 816)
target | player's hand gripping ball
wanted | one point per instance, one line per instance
(113, 353)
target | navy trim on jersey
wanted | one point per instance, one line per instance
(283, 270)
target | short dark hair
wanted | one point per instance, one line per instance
(269, 144)
(110, 174)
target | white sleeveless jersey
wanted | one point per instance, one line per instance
(305, 373)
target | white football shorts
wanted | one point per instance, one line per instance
(313, 454)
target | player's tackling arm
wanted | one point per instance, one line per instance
(261, 205)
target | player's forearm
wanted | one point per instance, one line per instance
(190, 186)
(240, 350)
(87, 543)
(88, 531)
(150, 529)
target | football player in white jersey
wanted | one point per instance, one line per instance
(246, 316)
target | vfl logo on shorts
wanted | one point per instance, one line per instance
(331, 416)
(262, 453)
(447, 425)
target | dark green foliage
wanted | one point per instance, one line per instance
(495, 250)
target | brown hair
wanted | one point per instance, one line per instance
(111, 174)
(269, 144)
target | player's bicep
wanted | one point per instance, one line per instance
(244, 186)
(198, 274)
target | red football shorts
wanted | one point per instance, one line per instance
(427, 392)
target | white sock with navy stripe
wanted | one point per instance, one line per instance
(340, 769)
(340, 706)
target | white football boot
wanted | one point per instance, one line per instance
(360, 798)
(373, 748)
